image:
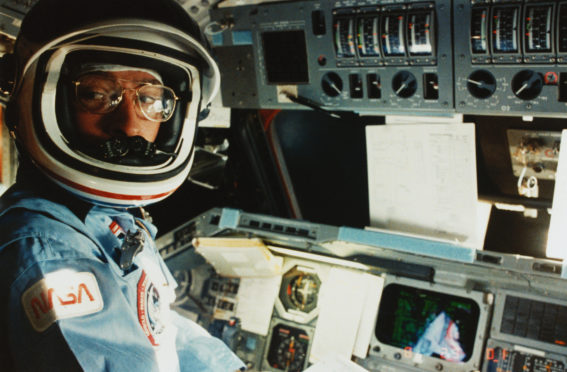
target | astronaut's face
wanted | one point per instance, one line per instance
(109, 104)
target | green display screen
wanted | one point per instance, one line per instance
(427, 322)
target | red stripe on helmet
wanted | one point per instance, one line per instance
(107, 194)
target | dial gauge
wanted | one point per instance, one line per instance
(505, 29)
(288, 348)
(393, 35)
(538, 28)
(368, 44)
(299, 290)
(302, 292)
(479, 39)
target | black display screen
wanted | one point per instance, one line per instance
(428, 323)
(285, 54)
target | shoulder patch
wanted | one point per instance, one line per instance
(60, 295)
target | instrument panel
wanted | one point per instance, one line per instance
(461, 56)
(512, 59)
(493, 314)
(374, 57)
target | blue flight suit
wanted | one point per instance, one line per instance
(67, 305)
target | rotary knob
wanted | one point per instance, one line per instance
(527, 84)
(481, 84)
(332, 84)
(404, 84)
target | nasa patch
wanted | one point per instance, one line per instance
(60, 295)
(150, 306)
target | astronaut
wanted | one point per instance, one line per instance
(104, 102)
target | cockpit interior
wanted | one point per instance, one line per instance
(378, 186)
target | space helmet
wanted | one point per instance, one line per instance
(59, 41)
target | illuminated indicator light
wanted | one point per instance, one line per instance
(550, 154)
(560, 342)
(400, 18)
(550, 77)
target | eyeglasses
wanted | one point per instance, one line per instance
(99, 94)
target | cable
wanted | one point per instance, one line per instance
(309, 103)
(210, 28)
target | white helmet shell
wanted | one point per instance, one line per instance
(37, 111)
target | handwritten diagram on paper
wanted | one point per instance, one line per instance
(422, 179)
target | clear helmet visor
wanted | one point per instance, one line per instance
(101, 91)
(122, 108)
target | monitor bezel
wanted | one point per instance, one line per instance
(406, 357)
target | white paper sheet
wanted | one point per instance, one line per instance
(557, 236)
(238, 257)
(342, 298)
(256, 298)
(374, 286)
(422, 180)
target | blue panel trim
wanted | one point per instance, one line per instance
(217, 39)
(241, 37)
(229, 218)
(408, 244)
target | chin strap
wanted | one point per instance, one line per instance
(117, 148)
